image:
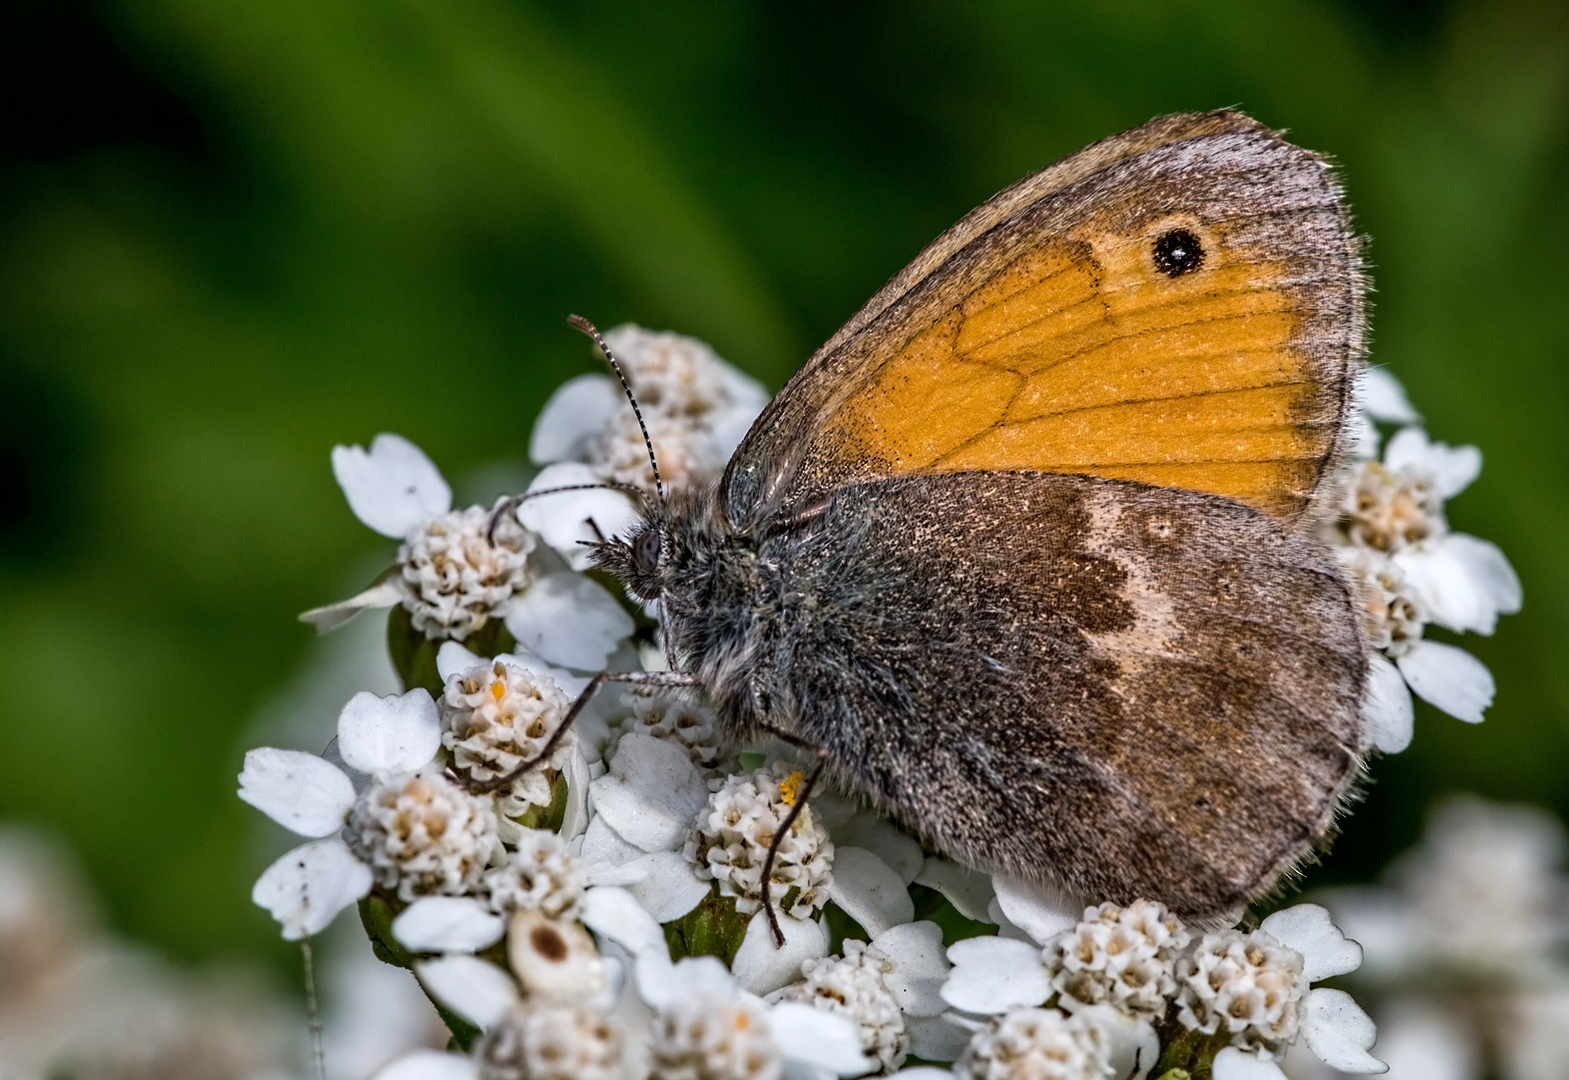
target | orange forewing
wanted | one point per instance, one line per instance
(1083, 357)
(1043, 335)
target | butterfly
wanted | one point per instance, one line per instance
(1027, 553)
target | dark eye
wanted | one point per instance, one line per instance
(1177, 252)
(645, 550)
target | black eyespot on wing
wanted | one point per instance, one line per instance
(1177, 252)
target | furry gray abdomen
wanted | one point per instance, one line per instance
(1134, 691)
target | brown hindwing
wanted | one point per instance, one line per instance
(1135, 691)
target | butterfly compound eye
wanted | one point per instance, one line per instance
(645, 551)
(1177, 252)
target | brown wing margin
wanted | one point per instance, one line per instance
(1043, 332)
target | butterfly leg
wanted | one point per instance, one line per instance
(801, 796)
(638, 678)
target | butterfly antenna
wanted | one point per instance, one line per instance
(577, 322)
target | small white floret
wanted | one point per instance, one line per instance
(393, 487)
(1384, 399)
(441, 924)
(573, 418)
(1234, 1064)
(1042, 911)
(994, 974)
(968, 890)
(869, 891)
(651, 794)
(475, 989)
(1307, 928)
(569, 619)
(1390, 714)
(615, 914)
(381, 736)
(917, 966)
(1449, 678)
(1451, 469)
(761, 966)
(1339, 1032)
(561, 519)
(307, 888)
(299, 791)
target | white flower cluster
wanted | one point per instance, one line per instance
(696, 406)
(1124, 972)
(496, 716)
(1123, 955)
(735, 830)
(1465, 945)
(602, 913)
(854, 986)
(681, 717)
(1037, 1044)
(423, 835)
(1411, 569)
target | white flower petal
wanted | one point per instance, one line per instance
(576, 413)
(1308, 929)
(1233, 1064)
(384, 736)
(569, 619)
(475, 989)
(884, 839)
(667, 887)
(816, 1037)
(575, 821)
(455, 658)
(1463, 583)
(1388, 708)
(661, 983)
(968, 890)
(306, 888)
(1005, 926)
(1451, 467)
(299, 791)
(652, 793)
(993, 974)
(1384, 398)
(934, 1038)
(869, 891)
(428, 1065)
(561, 519)
(603, 848)
(394, 487)
(387, 592)
(1042, 911)
(923, 1072)
(1339, 1032)
(761, 967)
(435, 924)
(614, 913)
(920, 967)
(1450, 678)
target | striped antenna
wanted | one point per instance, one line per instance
(577, 322)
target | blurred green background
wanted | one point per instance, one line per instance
(235, 232)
